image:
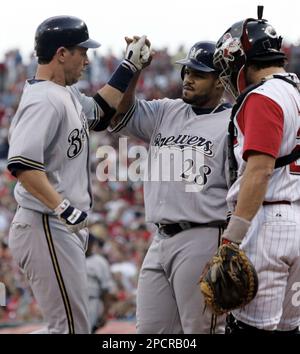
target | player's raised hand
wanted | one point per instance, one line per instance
(146, 52)
(73, 218)
(137, 52)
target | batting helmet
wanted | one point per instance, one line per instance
(200, 58)
(61, 31)
(252, 40)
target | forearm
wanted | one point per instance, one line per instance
(252, 192)
(111, 95)
(38, 185)
(251, 195)
(254, 185)
(126, 102)
(115, 98)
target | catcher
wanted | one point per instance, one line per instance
(265, 195)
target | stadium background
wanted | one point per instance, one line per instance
(118, 212)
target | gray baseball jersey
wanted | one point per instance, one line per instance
(50, 133)
(169, 124)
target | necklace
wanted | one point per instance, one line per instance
(218, 106)
(200, 111)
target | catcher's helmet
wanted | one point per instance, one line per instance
(251, 39)
(200, 58)
(61, 31)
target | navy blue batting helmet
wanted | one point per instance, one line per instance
(61, 31)
(200, 58)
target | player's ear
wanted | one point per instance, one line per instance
(61, 54)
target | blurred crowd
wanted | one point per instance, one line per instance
(117, 218)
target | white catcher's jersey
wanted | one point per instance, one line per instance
(50, 133)
(197, 189)
(284, 182)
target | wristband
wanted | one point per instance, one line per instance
(121, 77)
(236, 229)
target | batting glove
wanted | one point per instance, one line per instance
(137, 54)
(73, 218)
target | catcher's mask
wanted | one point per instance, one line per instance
(250, 39)
(199, 58)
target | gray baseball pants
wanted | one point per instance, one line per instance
(169, 300)
(53, 261)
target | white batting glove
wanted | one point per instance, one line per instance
(136, 54)
(145, 54)
(73, 218)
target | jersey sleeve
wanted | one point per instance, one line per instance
(140, 120)
(261, 122)
(31, 132)
(91, 109)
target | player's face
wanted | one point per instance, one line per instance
(75, 64)
(200, 89)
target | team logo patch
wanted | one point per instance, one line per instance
(231, 47)
(194, 53)
(270, 31)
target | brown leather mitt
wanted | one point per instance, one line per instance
(229, 281)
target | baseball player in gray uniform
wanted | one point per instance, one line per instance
(189, 224)
(49, 154)
(102, 289)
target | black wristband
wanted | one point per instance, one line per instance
(109, 112)
(121, 78)
(106, 108)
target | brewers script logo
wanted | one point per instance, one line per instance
(184, 140)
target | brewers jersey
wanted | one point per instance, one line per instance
(50, 133)
(196, 190)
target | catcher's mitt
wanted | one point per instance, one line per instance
(229, 280)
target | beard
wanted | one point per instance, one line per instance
(196, 100)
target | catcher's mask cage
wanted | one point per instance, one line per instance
(250, 39)
(61, 31)
(199, 58)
